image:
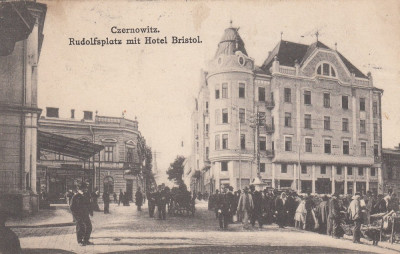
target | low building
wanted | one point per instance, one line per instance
(115, 168)
(391, 170)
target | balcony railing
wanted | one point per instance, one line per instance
(270, 104)
(269, 128)
(270, 153)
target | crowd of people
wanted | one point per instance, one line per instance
(318, 213)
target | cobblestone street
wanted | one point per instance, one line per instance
(126, 230)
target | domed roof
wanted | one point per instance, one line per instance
(230, 43)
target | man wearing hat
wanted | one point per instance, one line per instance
(245, 206)
(81, 209)
(354, 212)
(333, 216)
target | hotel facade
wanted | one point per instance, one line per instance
(306, 119)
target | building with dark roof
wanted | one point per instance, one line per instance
(306, 119)
(391, 170)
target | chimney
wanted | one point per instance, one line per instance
(73, 113)
(52, 112)
(88, 115)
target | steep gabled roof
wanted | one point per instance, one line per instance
(288, 52)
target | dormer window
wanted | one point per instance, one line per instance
(326, 69)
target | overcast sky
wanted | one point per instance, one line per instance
(158, 83)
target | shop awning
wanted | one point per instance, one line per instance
(67, 146)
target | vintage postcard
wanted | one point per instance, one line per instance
(199, 126)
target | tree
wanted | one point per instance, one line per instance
(145, 161)
(175, 170)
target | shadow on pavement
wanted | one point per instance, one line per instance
(243, 249)
(46, 251)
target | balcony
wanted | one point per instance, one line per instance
(270, 104)
(377, 159)
(269, 128)
(270, 154)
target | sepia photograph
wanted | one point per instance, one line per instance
(261, 126)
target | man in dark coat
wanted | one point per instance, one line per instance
(81, 209)
(151, 200)
(216, 203)
(281, 211)
(106, 200)
(223, 211)
(334, 217)
(323, 213)
(139, 199)
(232, 205)
(291, 206)
(121, 197)
(161, 204)
(256, 214)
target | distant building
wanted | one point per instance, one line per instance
(21, 38)
(391, 170)
(113, 169)
(307, 119)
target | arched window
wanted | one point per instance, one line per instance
(326, 69)
(108, 184)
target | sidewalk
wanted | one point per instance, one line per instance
(58, 215)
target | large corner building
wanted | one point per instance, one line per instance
(307, 119)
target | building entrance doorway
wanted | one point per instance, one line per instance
(129, 189)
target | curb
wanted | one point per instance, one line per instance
(68, 224)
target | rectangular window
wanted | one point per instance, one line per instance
(217, 116)
(242, 141)
(360, 171)
(52, 112)
(108, 153)
(263, 144)
(376, 150)
(273, 145)
(59, 157)
(225, 141)
(262, 167)
(362, 104)
(261, 94)
(346, 147)
(327, 146)
(362, 126)
(327, 100)
(225, 115)
(206, 106)
(242, 90)
(323, 170)
(261, 118)
(363, 149)
(129, 155)
(349, 170)
(207, 128)
(327, 123)
(345, 102)
(375, 109)
(288, 95)
(288, 119)
(376, 131)
(217, 92)
(307, 121)
(242, 115)
(207, 153)
(345, 124)
(338, 170)
(288, 143)
(224, 166)
(284, 168)
(304, 169)
(308, 145)
(224, 90)
(373, 172)
(307, 97)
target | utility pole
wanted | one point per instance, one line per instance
(258, 140)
